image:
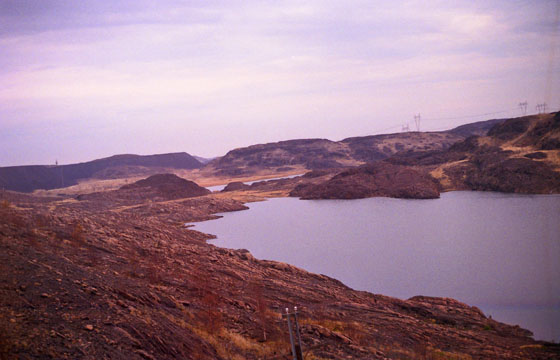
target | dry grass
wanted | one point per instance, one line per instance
(486, 140)
(229, 344)
(5, 204)
(353, 330)
(439, 174)
(553, 156)
(422, 353)
(246, 196)
(88, 186)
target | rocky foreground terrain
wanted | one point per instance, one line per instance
(118, 275)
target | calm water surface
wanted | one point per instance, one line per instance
(222, 186)
(499, 252)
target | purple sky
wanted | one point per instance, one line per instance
(88, 79)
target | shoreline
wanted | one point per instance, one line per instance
(491, 196)
(94, 274)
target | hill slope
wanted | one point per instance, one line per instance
(327, 154)
(520, 155)
(29, 178)
(160, 187)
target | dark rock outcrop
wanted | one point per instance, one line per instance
(536, 155)
(168, 186)
(509, 129)
(514, 175)
(236, 185)
(159, 187)
(377, 179)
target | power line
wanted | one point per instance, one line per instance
(470, 116)
(417, 117)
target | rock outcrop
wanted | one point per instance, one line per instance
(168, 186)
(156, 187)
(235, 186)
(377, 179)
(518, 156)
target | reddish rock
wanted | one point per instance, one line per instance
(377, 179)
(236, 185)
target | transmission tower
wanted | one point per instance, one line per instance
(523, 107)
(405, 128)
(541, 108)
(417, 121)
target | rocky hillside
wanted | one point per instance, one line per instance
(94, 279)
(323, 154)
(521, 155)
(29, 178)
(159, 187)
(283, 155)
(376, 179)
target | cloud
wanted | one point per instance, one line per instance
(265, 66)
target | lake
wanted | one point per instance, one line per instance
(499, 252)
(222, 186)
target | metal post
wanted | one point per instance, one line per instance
(300, 348)
(291, 335)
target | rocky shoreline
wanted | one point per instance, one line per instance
(108, 277)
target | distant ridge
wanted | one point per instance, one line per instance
(33, 177)
(327, 154)
(279, 156)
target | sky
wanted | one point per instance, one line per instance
(82, 80)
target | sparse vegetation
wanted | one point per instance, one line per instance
(77, 233)
(422, 352)
(5, 204)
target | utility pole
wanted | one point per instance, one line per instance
(297, 351)
(61, 174)
(417, 121)
(523, 107)
(405, 128)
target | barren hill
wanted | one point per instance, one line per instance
(159, 187)
(324, 154)
(520, 155)
(29, 178)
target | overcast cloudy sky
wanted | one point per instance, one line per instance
(88, 79)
